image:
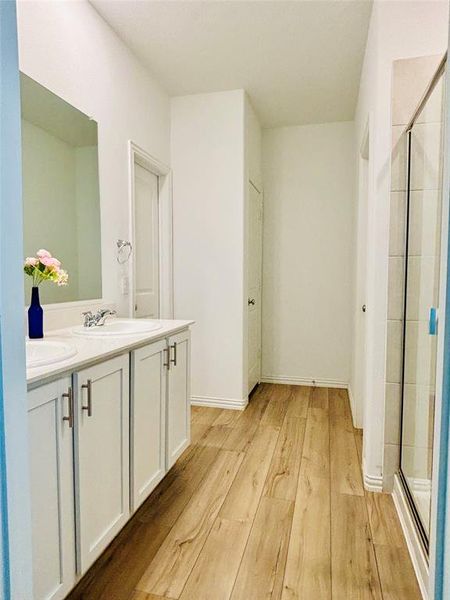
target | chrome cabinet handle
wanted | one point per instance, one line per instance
(251, 302)
(174, 359)
(69, 396)
(88, 386)
(167, 364)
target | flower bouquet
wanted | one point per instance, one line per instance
(42, 267)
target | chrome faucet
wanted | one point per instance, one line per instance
(89, 319)
(103, 314)
(98, 319)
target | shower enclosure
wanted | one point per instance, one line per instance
(424, 142)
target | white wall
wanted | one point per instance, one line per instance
(68, 48)
(207, 142)
(397, 30)
(308, 235)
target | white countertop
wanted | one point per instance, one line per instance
(95, 349)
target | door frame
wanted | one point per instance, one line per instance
(138, 155)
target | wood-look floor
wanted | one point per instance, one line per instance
(265, 504)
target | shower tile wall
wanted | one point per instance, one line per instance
(410, 78)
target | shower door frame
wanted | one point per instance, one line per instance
(422, 534)
(440, 549)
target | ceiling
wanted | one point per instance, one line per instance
(300, 61)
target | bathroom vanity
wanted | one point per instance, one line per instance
(105, 426)
(108, 402)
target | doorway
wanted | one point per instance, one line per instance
(150, 265)
(146, 243)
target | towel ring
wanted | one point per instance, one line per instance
(124, 250)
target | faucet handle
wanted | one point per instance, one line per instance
(88, 318)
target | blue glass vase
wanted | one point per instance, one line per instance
(35, 316)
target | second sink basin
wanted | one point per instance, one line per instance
(119, 327)
(47, 352)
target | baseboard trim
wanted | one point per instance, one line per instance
(418, 558)
(356, 424)
(373, 483)
(420, 485)
(214, 402)
(351, 398)
(284, 379)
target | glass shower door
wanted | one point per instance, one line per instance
(422, 266)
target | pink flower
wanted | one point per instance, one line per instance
(43, 254)
(50, 262)
(63, 277)
(45, 267)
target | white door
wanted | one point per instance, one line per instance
(146, 243)
(254, 286)
(52, 500)
(359, 366)
(178, 397)
(148, 422)
(102, 466)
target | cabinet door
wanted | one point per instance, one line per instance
(102, 456)
(148, 405)
(51, 482)
(178, 397)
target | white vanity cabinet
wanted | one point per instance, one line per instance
(50, 423)
(101, 455)
(178, 396)
(160, 411)
(148, 419)
(100, 440)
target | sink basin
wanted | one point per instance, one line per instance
(47, 352)
(115, 327)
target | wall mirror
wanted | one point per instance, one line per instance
(61, 191)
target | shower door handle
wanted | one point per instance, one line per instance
(432, 324)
